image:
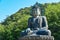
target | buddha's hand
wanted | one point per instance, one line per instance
(38, 28)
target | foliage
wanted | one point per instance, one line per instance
(52, 12)
(12, 26)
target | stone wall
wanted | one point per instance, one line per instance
(37, 38)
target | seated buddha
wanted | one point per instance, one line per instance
(37, 24)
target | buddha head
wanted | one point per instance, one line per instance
(36, 11)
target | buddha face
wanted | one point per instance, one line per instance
(35, 12)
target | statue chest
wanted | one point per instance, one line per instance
(34, 21)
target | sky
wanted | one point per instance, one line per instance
(9, 7)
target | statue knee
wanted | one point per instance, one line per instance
(28, 30)
(49, 32)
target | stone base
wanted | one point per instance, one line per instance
(37, 38)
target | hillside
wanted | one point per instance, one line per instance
(12, 26)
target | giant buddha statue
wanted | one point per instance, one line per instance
(37, 24)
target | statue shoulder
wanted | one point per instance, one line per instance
(43, 16)
(30, 19)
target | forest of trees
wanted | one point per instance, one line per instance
(12, 26)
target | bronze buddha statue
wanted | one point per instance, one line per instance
(37, 24)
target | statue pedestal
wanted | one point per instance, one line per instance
(37, 38)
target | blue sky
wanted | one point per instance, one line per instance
(8, 7)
